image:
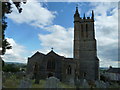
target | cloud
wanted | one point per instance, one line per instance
(108, 62)
(88, 0)
(106, 26)
(60, 38)
(33, 14)
(16, 53)
(106, 29)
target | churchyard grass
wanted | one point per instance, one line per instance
(40, 85)
(63, 85)
(11, 82)
(14, 81)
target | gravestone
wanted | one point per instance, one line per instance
(100, 84)
(52, 82)
(71, 81)
(85, 84)
(81, 81)
(77, 83)
(25, 83)
(107, 84)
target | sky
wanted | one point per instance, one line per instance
(45, 25)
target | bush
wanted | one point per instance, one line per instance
(10, 68)
(103, 78)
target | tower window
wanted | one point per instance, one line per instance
(86, 30)
(82, 30)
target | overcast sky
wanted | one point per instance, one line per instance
(42, 26)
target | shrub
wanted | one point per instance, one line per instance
(10, 68)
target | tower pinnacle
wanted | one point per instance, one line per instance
(92, 14)
(84, 16)
(77, 8)
(76, 12)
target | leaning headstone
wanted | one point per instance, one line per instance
(85, 84)
(52, 82)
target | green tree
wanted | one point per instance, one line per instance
(11, 68)
(7, 9)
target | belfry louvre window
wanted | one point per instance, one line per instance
(86, 30)
(82, 30)
(51, 65)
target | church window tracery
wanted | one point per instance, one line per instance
(51, 65)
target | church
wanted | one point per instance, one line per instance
(83, 65)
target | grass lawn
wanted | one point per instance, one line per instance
(14, 82)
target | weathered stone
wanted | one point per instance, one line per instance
(85, 84)
(52, 82)
(85, 48)
(25, 83)
(100, 84)
(85, 61)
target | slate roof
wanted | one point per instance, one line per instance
(53, 53)
(37, 53)
(113, 70)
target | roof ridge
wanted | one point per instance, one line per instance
(54, 53)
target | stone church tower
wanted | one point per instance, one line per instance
(85, 50)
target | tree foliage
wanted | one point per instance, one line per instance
(7, 9)
(3, 63)
(11, 68)
(104, 78)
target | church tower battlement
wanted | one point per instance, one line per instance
(85, 46)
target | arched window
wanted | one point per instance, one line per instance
(51, 65)
(82, 34)
(69, 70)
